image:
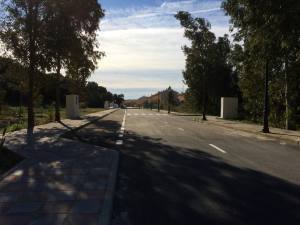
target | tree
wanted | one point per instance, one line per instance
(269, 34)
(208, 73)
(170, 99)
(21, 32)
(118, 99)
(96, 95)
(72, 43)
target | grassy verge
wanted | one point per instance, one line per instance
(16, 119)
(8, 160)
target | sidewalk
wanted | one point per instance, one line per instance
(61, 181)
(292, 137)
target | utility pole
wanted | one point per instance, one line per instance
(266, 100)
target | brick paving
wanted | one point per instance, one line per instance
(62, 182)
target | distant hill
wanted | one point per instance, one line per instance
(153, 99)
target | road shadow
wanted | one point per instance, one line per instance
(161, 184)
(100, 132)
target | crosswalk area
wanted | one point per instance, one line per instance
(146, 114)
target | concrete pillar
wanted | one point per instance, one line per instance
(72, 107)
(229, 108)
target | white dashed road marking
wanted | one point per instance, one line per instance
(122, 130)
(219, 149)
(181, 129)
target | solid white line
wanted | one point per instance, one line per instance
(219, 149)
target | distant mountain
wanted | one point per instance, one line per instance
(162, 96)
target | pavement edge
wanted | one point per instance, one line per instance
(258, 133)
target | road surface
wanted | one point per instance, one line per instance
(174, 171)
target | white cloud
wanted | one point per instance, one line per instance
(153, 48)
(143, 46)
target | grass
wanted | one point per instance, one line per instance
(10, 116)
(8, 160)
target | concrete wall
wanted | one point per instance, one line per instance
(72, 106)
(229, 108)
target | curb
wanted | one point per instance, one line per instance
(91, 121)
(106, 214)
(280, 138)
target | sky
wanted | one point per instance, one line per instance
(142, 41)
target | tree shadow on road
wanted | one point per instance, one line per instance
(103, 133)
(162, 184)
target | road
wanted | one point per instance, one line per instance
(174, 171)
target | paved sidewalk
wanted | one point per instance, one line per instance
(62, 182)
(292, 137)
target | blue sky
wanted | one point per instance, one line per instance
(143, 40)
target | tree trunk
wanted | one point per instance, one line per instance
(32, 30)
(57, 91)
(204, 98)
(287, 112)
(266, 101)
(30, 106)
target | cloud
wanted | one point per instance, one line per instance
(151, 48)
(163, 15)
(137, 79)
(143, 45)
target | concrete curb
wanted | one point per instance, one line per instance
(92, 121)
(270, 135)
(106, 214)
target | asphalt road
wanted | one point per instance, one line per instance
(174, 171)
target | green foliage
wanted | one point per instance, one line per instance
(118, 99)
(96, 95)
(51, 35)
(208, 73)
(269, 31)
